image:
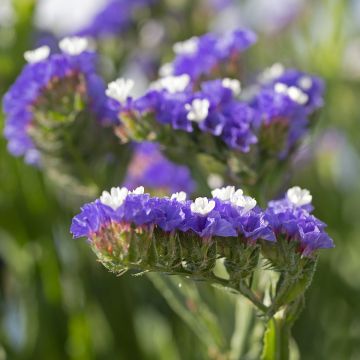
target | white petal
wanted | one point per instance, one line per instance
(36, 55)
(179, 196)
(202, 206)
(232, 84)
(224, 193)
(74, 45)
(298, 196)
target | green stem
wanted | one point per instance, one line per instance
(277, 338)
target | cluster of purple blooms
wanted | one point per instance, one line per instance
(115, 18)
(229, 214)
(36, 80)
(199, 56)
(156, 173)
(291, 217)
(218, 107)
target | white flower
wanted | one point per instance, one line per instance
(198, 110)
(224, 193)
(297, 95)
(294, 93)
(202, 206)
(179, 196)
(298, 196)
(246, 202)
(187, 47)
(172, 84)
(215, 181)
(120, 89)
(115, 198)
(272, 73)
(166, 70)
(305, 82)
(138, 191)
(232, 84)
(281, 88)
(74, 45)
(36, 55)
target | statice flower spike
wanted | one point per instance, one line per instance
(298, 196)
(74, 45)
(173, 235)
(202, 206)
(120, 89)
(198, 110)
(36, 55)
(54, 111)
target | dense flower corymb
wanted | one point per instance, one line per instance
(50, 91)
(206, 218)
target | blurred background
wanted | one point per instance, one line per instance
(58, 302)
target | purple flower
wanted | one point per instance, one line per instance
(203, 217)
(291, 217)
(156, 173)
(73, 71)
(200, 55)
(116, 17)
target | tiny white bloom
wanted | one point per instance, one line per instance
(166, 70)
(298, 196)
(215, 181)
(74, 45)
(281, 88)
(232, 84)
(272, 73)
(297, 95)
(179, 196)
(202, 206)
(187, 47)
(224, 193)
(120, 89)
(305, 82)
(36, 55)
(173, 84)
(115, 198)
(198, 110)
(138, 191)
(246, 202)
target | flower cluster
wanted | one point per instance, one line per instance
(229, 214)
(273, 113)
(157, 174)
(285, 100)
(115, 18)
(213, 109)
(201, 55)
(50, 91)
(291, 218)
